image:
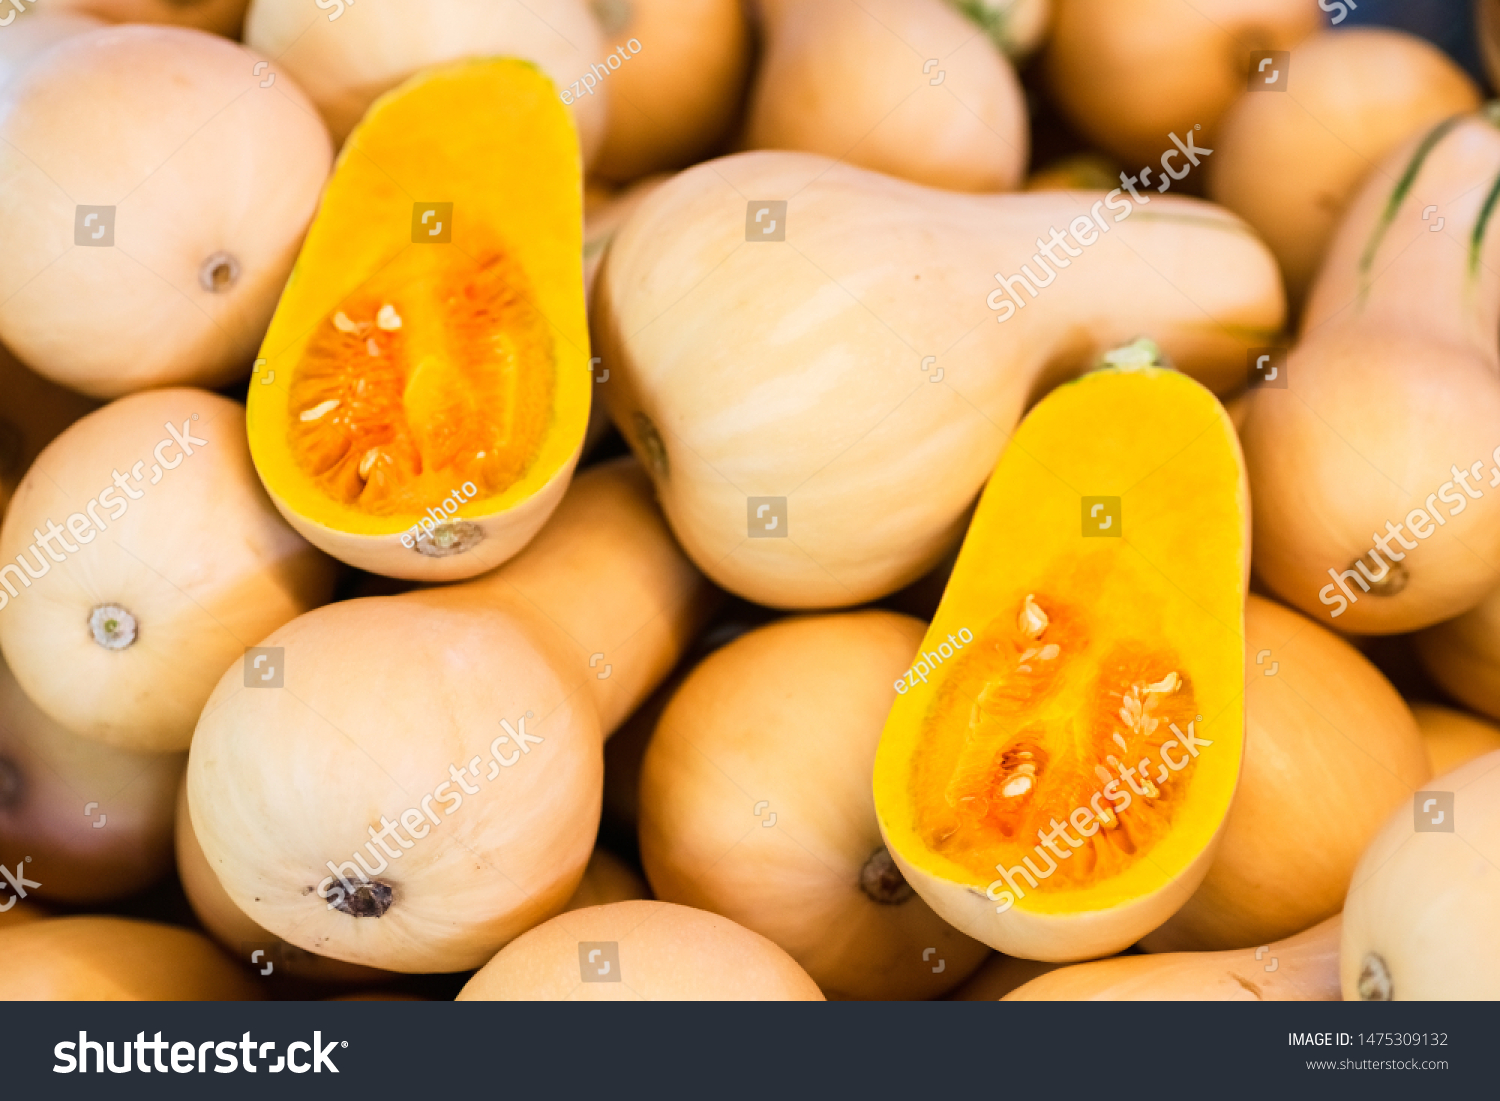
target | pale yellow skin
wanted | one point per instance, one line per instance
(731, 355)
(200, 560)
(1127, 75)
(1300, 968)
(112, 959)
(784, 721)
(1330, 749)
(24, 41)
(1425, 903)
(219, 16)
(1453, 738)
(679, 91)
(346, 54)
(1330, 465)
(238, 934)
(666, 953)
(851, 80)
(383, 695)
(1289, 163)
(1463, 656)
(149, 119)
(607, 879)
(91, 821)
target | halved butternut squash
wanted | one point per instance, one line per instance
(423, 389)
(1084, 672)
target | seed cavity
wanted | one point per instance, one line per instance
(372, 347)
(371, 899)
(12, 785)
(320, 410)
(882, 881)
(342, 323)
(114, 628)
(388, 319)
(455, 537)
(1032, 621)
(219, 272)
(1375, 979)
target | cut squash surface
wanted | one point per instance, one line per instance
(1073, 723)
(429, 356)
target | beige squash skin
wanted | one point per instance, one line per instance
(737, 732)
(22, 43)
(724, 357)
(1452, 737)
(678, 92)
(1463, 656)
(607, 879)
(35, 412)
(346, 54)
(845, 79)
(237, 934)
(1302, 968)
(1127, 75)
(1329, 465)
(1421, 911)
(1288, 163)
(113, 959)
(91, 821)
(605, 577)
(219, 16)
(388, 693)
(147, 119)
(1330, 749)
(666, 953)
(603, 215)
(201, 560)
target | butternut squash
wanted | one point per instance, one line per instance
(114, 959)
(89, 822)
(1064, 666)
(725, 359)
(904, 87)
(347, 55)
(1419, 920)
(139, 559)
(1463, 656)
(1018, 27)
(1302, 968)
(1453, 738)
(1374, 468)
(1289, 163)
(24, 42)
(478, 708)
(1330, 749)
(804, 865)
(999, 975)
(420, 405)
(219, 16)
(676, 88)
(607, 879)
(1127, 75)
(154, 197)
(641, 951)
(238, 934)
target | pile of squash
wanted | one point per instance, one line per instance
(604, 500)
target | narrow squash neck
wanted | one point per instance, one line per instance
(1419, 250)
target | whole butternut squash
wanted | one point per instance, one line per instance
(904, 87)
(1380, 515)
(818, 413)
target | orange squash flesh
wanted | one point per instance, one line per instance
(423, 389)
(1074, 720)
